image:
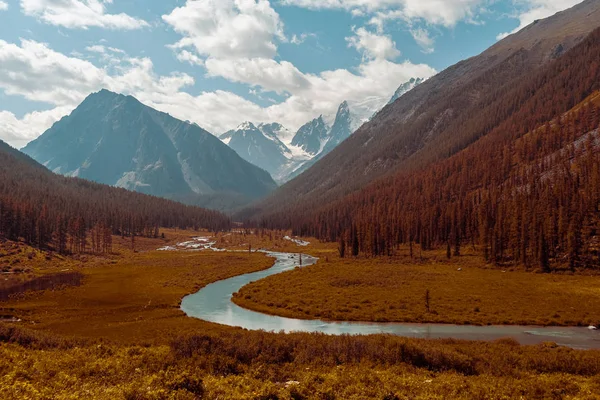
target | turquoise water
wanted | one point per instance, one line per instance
(213, 303)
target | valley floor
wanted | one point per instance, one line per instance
(121, 335)
(462, 290)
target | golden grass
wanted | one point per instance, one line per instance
(132, 296)
(394, 290)
(109, 372)
(121, 335)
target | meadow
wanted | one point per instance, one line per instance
(461, 290)
(121, 335)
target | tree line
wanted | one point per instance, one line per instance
(526, 192)
(73, 215)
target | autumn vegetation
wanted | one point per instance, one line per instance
(497, 224)
(526, 191)
(70, 215)
(460, 290)
(121, 335)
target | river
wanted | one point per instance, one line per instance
(213, 303)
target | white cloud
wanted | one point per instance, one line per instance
(531, 10)
(237, 40)
(438, 12)
(423, 39)
(3, 6)
(38, 73)
(96, 49)
(79, 14)
(311, 95)
(228, 28)
(372, 45)
(269, 74)
(18, 132)
(186, 56)
(299, 39)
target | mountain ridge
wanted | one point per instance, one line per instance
(421, 127)
(115, 139)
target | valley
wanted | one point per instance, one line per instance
(297, 200)
(75, 335)
(462, 290)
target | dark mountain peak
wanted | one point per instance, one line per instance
(115, 139)
(105, 94)
(344, 108)
(311, 136)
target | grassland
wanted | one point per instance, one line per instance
(132, 296)
(257, 365)
(462, 290)
(121, 335)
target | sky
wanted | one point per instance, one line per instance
(219, 63)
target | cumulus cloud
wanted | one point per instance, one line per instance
(18, 132)
(36, 72)
(269, 74)
(79, 14)
(227, 28)
(531, 10)
(299, 39)
(367, 89)
(3, 6)
(96, 49)
(372, 45)
(438, 12)
(189, 57)
(238, 39)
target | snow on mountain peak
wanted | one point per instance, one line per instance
(245, 126)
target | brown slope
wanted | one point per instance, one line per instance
(40, 207)
(438, 118)
(513, 192)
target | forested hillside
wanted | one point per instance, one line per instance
(445, 114)
(74, 215)
(528, 192)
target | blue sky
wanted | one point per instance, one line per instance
(222, 62)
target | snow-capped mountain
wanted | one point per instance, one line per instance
(312, 136)
(405, 88)
(116, 140)
(285, 155)
(344, 125)
(262, 146)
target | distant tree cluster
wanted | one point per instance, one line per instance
(74, 215)
(526, 192)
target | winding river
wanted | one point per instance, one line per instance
(213, 303)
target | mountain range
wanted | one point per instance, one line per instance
(285, 155)
(440, 117)
(116, 140)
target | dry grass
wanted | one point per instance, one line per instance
(121, 335)
(394, 290)
(132, 296)
(255, 365)
(108, 372)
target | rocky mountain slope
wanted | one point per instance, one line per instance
(116, 140)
